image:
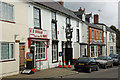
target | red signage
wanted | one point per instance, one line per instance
(37, 33)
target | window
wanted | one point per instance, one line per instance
(77, 35)
(37, 18)
(54, 52)
(7, 51)
(111, 49)
(92, 51)
(92, 34)
(77, 22)
(6, 11)
(54, 26)
(110, 37)
(53, 15)
(97, 35)
(67, 20)
(40, 50)
(100, 36)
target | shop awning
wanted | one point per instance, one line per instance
(97, 43)
(38, 40)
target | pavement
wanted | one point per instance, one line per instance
(69, 73)
(47, 73)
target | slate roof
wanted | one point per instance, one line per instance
(79, 12)
(88, 15)
(55, 6)
(92, 25)
(107, 28)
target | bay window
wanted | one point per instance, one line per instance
(7, 51)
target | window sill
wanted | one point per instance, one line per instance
(7, 21)
(40, 60)
(7, 60)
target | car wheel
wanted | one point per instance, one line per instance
(97, 68)
(105, 66)
(89, 70)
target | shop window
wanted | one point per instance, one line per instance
(40, 51)
(54, 52)
(7, 51)
(6, 11)
(111, 49)
(37, 18)
(77, 35)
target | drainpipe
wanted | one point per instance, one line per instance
(106, 43)
(88, 42)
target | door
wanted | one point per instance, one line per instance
(68, 55)
(21, 57)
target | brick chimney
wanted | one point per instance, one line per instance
(61, 2)
(80, 9)
(96, 18)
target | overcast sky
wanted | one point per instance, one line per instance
(108, 13)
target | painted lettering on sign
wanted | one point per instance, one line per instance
(36, 33)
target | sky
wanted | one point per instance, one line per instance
(108, 9)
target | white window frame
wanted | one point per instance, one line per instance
(53, 49)
(9, 52)
(40, 51)
(6, 17)
(111, 49)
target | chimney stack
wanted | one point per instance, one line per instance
(96, 18)
(80, 9)
(61, 3)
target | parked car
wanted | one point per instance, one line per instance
(115, 58)
(104, 61)
(86, 64)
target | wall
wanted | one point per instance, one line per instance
(9, 30)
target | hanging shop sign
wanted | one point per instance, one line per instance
(37, 33)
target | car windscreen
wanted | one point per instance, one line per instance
(83, 59)
(102, 57)
(114, 55)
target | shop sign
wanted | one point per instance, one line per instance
(37, 33)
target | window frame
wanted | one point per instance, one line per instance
(55, 43)
(92, 34)
(111, 49)
(9, 54)
(77, 35)
(68, 20)
(8, 18)
(39, 18)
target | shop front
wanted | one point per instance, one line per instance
(38, 44)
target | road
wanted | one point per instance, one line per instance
(102, 73)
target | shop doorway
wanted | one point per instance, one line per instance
(68, 55)
(21, 57)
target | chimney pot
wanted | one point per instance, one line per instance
(61, 3)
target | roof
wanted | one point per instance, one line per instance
(56, 6)
(92, 25)
(107, 28)
(88, 15)
(79, 12)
